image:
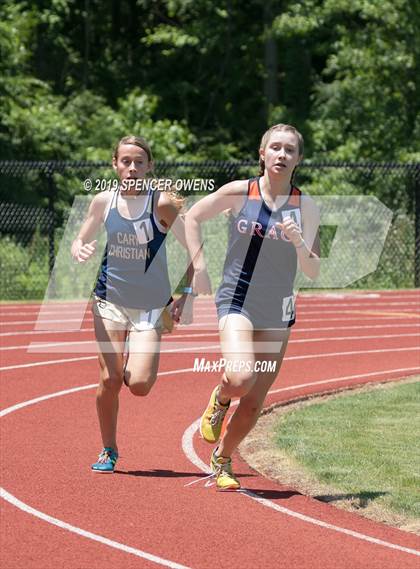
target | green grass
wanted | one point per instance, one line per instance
(363, 444)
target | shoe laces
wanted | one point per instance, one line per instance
(201, 479)
(107, 455)
(224, 467)
(218, 415)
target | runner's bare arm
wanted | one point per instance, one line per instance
(226, 198)
(170, 217)
(83, 246)
(308, 250)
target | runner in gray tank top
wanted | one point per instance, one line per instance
(133, 289)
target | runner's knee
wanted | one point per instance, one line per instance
(111, 381)
(238, 383)
(141, 388)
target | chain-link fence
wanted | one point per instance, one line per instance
(30, 235)
(26, 250)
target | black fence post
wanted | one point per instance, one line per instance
(417, 227)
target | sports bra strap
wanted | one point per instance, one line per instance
(111, 204)
(150, 201)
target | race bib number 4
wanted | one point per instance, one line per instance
(288, 308)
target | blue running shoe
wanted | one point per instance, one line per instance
(106, 461)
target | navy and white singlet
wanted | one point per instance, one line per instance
(134, 271)
(260, 266)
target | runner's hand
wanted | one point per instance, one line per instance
(292, 231)
(82, 253)
(182, 309)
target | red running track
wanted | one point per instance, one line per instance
(57, 513)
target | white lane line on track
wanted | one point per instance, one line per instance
(18, 406)
(342, 338)
(190, 453)
(63, 525)
(208, 347)
(52, 321)
(165, 338)
(48, 362)
(296, 329)
(318, 296)
(366, 318)
(411, 324)
(38, 346)
(308, 308)
(212, 324)
(90, 346)
(84, 358)
(304, 300)
(362, 318)
(201, 466)
(344, 378)
(57, 312)
(83, 533)
(35, 332)
(73, 304)
(368, 309)
(354, 352)
(339, 305)
(300, 306)
(190, 349)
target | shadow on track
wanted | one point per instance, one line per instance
(159, 473)
(274, 494)
(361, 499)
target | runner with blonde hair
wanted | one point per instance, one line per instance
(273, 228)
